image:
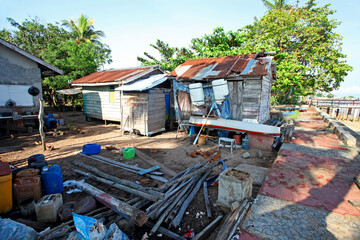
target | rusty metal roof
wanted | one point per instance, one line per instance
(117, 75)
(252, 64)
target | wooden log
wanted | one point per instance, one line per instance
(209, 228)
(41, 123)
(153, 162)
(176, 221)
(119, 186)
(166, 232)
(139, 217)
(207, 201)
(230, 222)
(115, 179)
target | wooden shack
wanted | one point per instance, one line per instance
(249, 78)
(135, 97)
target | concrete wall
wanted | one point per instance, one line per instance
(16, 69)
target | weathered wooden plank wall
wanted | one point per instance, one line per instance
(264, 114)
(156, 110)
(251, 99)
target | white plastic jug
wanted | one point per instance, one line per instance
(220, 89)
(197, 94)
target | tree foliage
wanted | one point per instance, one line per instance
(55, 45)
(83, 29)
(308, 50)
(275, 4)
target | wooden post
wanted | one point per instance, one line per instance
(139, 217)
(356, 114)
(41, 123)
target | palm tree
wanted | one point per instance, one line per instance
(83, 28)
(275, 5)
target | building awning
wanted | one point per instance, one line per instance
(144, 84)
(70, 91)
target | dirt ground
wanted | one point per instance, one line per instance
(170, 149)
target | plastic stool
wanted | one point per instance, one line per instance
(230, 140)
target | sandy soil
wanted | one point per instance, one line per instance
(172, 147)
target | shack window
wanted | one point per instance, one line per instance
(112, 94)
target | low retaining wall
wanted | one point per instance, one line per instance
(342, 134)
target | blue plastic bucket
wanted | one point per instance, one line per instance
(91, 149)
(51, 178)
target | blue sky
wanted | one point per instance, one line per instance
(130, 26)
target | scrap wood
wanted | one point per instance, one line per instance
(165, 231)
(207, 201)
(230, 222)
(153, 162)
(119, 186)
(201, 170)
(114, 179)
(206, 231)
(139, 217)
(206, 154)
(238, 221)
(168, 209)
(127, 166)
(176, 221)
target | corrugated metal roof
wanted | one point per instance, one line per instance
(252, 64)
(144, 84)
(114, 75)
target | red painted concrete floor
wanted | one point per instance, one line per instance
(318, 139)
(247, 236)
(321, 182)
(311, 125)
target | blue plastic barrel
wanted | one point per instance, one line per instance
(245, 143)
(51, 178)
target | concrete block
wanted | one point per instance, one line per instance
(261, 142)
(258, 173)
(234, 186)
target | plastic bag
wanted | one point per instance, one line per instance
(12, 230)
(88, 227)
(114, 233)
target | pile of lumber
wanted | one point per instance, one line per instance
(159, 208)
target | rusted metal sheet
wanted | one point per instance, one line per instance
(253, 64)
(111, 75)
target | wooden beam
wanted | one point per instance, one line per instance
(139, 217)
(176, 221)
(119, 186)
(114, 179)
(207, 201)
(153, 162)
